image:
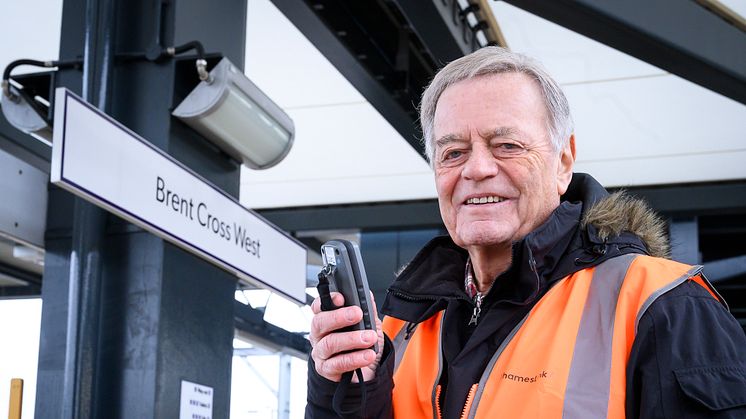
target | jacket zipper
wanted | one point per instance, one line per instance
(438, 387)
(410, 327)
(479, 297)
(469, 400)
(475, 316)
(411, 297)
(477, 309)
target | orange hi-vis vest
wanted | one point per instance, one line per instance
(566, 359)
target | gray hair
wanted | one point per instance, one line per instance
(496, 60)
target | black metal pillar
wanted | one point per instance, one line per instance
(126, 316)
(89, 223)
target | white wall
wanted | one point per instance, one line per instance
(636, 124)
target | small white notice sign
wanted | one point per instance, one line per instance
(196, 401)
(99, 159)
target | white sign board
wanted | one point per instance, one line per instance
(99, 159)
(196, 401)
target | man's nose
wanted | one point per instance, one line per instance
(481, 164)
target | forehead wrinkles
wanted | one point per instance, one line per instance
(514, 98)
(453, 132)
(448, 139)
(499, 132)
(488, 134)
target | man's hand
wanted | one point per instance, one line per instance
(327, 344)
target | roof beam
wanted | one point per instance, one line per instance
(700, 199)
(27, 291)
(390, 49)
(376, 216)
(441, 27)
(682, 37)
(327, 40)
(721, 270)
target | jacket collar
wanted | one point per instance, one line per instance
(436, 274)
(563, 244)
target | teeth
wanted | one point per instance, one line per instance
(485, 200)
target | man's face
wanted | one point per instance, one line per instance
(497, 175)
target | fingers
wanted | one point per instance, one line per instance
(335, 343)
(326, 322)
(337, 299)
(333, 368)
(336, 353)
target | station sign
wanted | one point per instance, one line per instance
(101, 160)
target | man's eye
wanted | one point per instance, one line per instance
(509, 149)
(453, 154)
(509, 146)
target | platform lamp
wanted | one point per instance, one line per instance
(232, 112)
(20, 113)
(225, 107)
(22, 107)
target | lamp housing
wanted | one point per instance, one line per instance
(23, 116)
(232, 112)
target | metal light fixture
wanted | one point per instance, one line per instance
(226, 108)
(20, 113)
(24, 109)
(229, 110)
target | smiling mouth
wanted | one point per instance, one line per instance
(484, 200)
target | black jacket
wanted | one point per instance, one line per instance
(689, 356)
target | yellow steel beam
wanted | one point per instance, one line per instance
(493, 32)
(725, 12)
(16, 398)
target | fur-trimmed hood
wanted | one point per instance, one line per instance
(607, 217)
(620, 212)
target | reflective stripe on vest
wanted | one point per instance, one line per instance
(419, 366)
(587, 392)
(401, 331)
(567, 358)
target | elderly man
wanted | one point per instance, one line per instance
(550, 298)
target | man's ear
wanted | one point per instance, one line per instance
(565, 164)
